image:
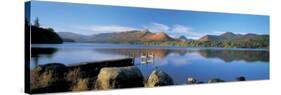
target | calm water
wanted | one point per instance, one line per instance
(179, 62)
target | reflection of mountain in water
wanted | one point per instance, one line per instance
(161, 53)
(42, 51)
(234, 55)
(226, 55)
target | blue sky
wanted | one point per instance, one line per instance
(93, 19)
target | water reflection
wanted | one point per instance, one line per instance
(36, 53)
(160, 53)
(147, 58)
(225, 55)
(177, 62)
(236, 55)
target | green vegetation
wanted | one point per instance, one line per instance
(243, 43)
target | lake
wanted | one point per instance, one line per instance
(179, 62)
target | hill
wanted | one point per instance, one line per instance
(145, 37)
(118, 37)
(231, 36)
(44, 36)
(231, 40)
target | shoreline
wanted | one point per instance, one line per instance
(136, 46)
(86, 76)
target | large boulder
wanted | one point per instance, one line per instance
(48, 78)
(159, 78)
(81, 85)
(119, 77)
(75, 74)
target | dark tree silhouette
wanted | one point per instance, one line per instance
(36, 22)
(40, 35)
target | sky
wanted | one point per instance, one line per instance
(91, 19)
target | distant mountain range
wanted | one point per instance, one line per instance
(232, 36)
(72, 37)
(231, 40)
(146, 35)
(127, 36)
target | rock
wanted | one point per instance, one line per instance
(191, 80)
(77, 78)
(119, 77)
(215, 80)
(80, 81)
(48, 78)
(74, 74)
(58, 68)
(241, 78)
(80, 85)
(159, 78)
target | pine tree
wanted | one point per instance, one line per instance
(36, 22)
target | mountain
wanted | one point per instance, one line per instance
(228, 35)
(72, 37)
(231, 36)
(162, 36)
(225, 40)
(231, 40)
(210, 38)
(127, 36)
(44, 36)
(183, 39)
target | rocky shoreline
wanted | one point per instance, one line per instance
(56, 77)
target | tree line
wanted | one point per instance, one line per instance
(243, 43)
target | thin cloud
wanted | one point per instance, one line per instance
(157, 27)
(218, 32)
(241, 33)
(95, 29)
(181, 29)
(185, 30)
(174, 30)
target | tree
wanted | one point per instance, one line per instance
(50, 29)
(36, 22)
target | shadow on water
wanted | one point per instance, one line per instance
(37, 52)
